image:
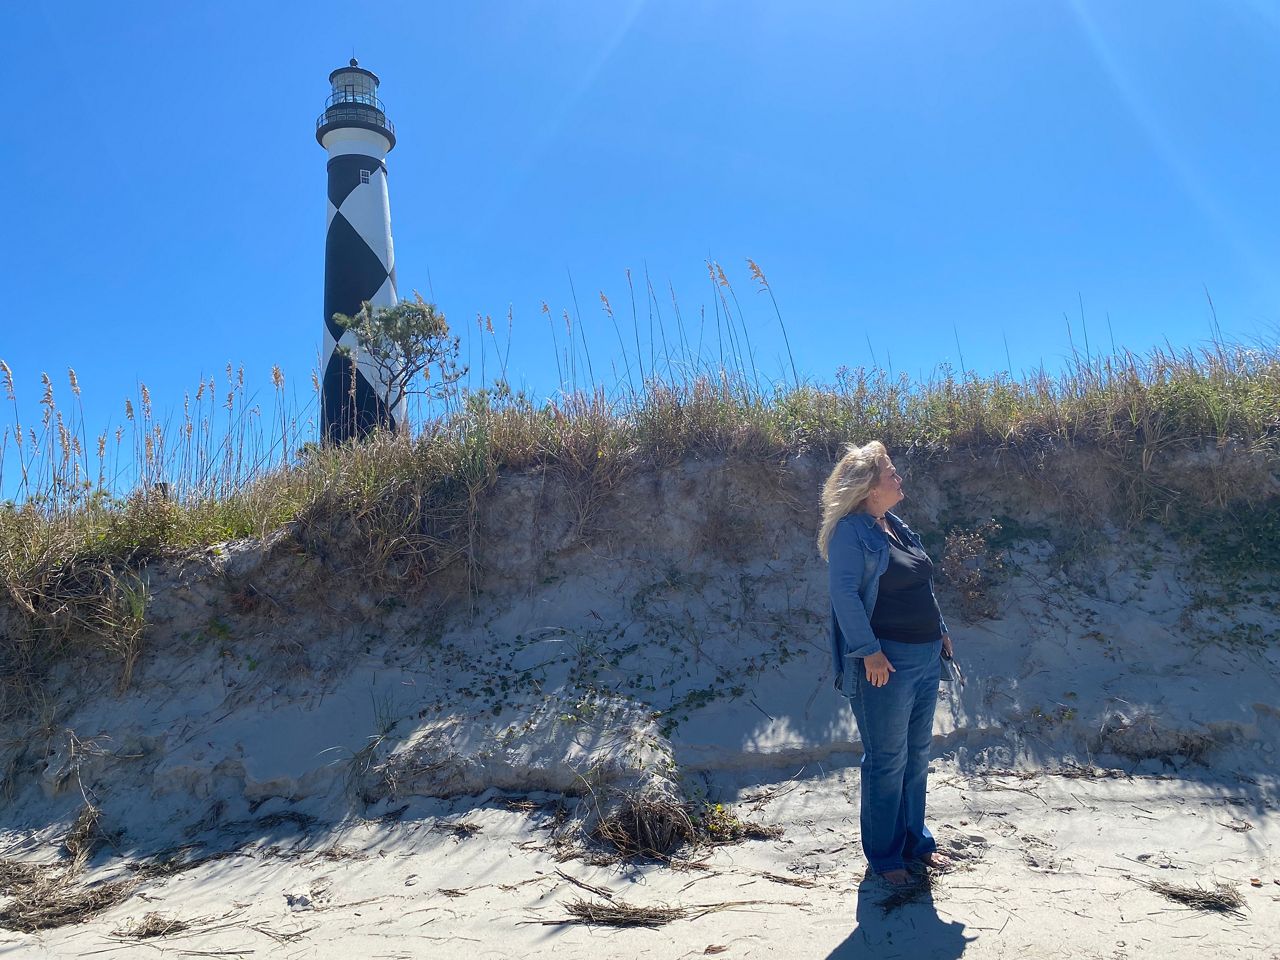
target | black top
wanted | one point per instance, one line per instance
(905, 608)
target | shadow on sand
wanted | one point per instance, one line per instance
(905, 929)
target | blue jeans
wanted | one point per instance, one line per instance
(896, 725)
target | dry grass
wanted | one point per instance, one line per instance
(45, 895)
(458, 829)
(87, 511)
(150, 925)
(615, 913)
(18, 875)
(58, 900)
(654, 822)
(1221, 899)
(647, 823)
(51, 895)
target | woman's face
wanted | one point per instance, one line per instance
(887, 492)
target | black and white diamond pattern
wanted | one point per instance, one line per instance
(359, 265)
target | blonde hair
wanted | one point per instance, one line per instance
(848, 485)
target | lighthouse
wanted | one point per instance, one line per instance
(359, 260)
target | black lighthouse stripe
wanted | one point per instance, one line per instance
(352, 272)
(343, 420)
(344, 174)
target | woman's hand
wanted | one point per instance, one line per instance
(878, 668)
(946, 645)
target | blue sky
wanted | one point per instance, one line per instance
(908, 174)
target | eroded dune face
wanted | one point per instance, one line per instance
(588, 631)
(460, 715)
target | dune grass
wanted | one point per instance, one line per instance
(89, 510)
(209, 486)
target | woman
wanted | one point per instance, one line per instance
(886, 638)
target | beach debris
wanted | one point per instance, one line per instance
(461, 829)
(598, 891)
(718, 824)
(55, 899)
(615, 913)
(1222, 898)
(647, 823)
(654, 822)
(789, 881)
(150, 925)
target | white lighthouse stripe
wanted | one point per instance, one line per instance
(369, 211)
(345, 140)
(329, 219)
(386, 295)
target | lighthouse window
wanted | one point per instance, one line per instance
(364, 176)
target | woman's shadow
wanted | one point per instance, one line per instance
(900, 921)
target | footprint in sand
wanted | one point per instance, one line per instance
(966, 846)
(1038, 855)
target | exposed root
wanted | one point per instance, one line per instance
(85, 837)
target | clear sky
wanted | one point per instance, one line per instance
(908, 174)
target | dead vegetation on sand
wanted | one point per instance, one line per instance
(1221, 898)
(150, 926)
(615, 913)
(655, 823)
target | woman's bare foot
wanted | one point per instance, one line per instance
(896, 878)
(937, 861)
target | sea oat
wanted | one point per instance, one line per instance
(8, 379)
(75, 382)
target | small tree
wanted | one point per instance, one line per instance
(404, 343)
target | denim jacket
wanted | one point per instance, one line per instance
(857, 555)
